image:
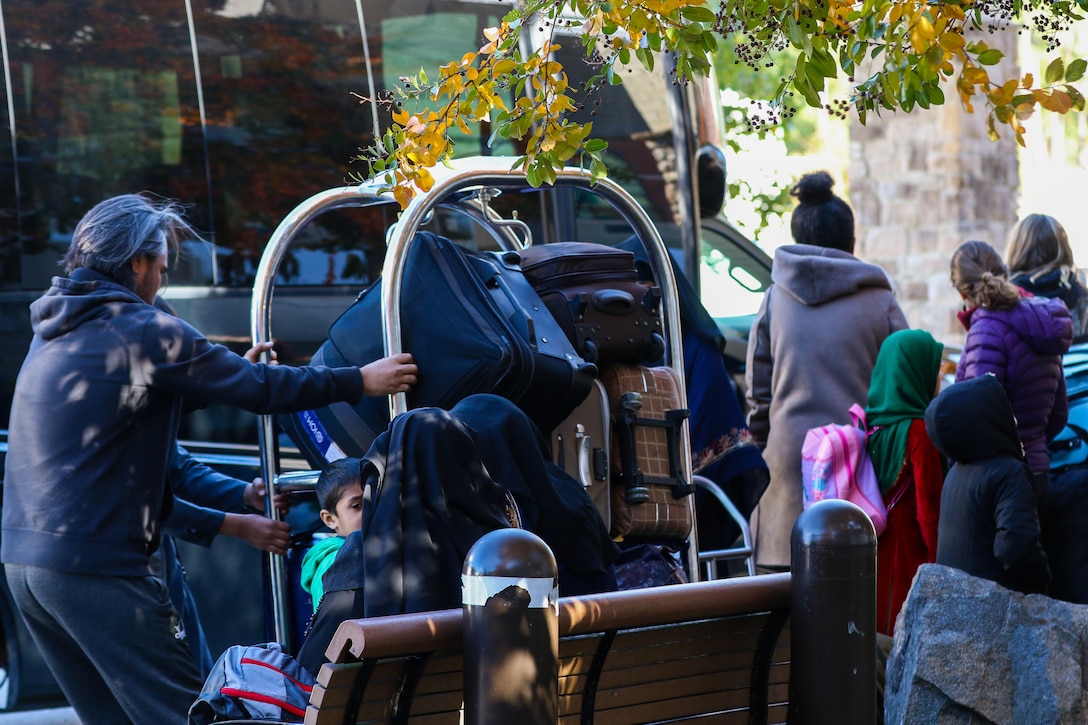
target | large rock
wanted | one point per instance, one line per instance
(968, 651)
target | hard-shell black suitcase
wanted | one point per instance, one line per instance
(594, 292)
(582, 446)
(473, 324)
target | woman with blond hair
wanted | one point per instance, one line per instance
(1020, 340)
(1041, 261)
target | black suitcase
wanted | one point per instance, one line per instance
(582, 446)
(594, 292)
(473, 324)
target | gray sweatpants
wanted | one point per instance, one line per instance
(110, 642)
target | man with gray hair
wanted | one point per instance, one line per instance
(93, 425)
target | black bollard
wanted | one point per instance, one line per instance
(511, 641)
(833, 619)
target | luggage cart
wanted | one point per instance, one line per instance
(743, 551)
(467, 186)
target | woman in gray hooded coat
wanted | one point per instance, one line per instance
(811, 350)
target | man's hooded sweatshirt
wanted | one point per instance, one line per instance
(988, 527)
(810, 356)
(94, 422)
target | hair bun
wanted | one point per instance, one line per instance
(814, 188)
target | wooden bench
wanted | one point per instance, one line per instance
(715, 652)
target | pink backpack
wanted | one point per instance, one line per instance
(836, 464)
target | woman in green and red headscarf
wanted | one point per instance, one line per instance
(908, 466)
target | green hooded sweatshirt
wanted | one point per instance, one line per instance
(316, 562)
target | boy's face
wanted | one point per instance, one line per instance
(348, 516)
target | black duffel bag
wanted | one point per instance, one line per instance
(473, 325)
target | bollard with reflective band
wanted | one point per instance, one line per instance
(833, 616)
(511, 641)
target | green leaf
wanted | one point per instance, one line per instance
(597, 169)
(935, 95)
(1075, 71)
(807, 91)
(824, 63)
(547, 172)
(595, 145)
(698, 13)
(1076, 97)
(991, 56)
(814, 77)
(798, 37)
(646, 57)
(1055, 71)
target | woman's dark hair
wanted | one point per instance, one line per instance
(821, 218)
(335, 478)
(980, 275)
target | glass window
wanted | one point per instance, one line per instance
(281, 124)
(103, 102)
(732, 280)
(634, 119)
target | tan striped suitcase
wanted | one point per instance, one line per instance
(650, 496)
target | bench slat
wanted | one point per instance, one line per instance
(673, 654)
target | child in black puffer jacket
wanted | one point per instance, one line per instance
(989, 525)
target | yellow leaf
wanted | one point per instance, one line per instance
(976, 76)
(424, 180)
(952, 11)
(403, 194)
(952, 41)
(1056, 101)
(1004, 94)
(400, 116)
(921, 34)
(1025, 109)
(1027, 81)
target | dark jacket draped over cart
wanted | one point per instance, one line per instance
(440, 480)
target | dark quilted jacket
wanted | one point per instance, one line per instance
(1022, 347)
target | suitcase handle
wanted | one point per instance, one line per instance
(635, 491)
(671, 425)
(613, 302)
(584, 445)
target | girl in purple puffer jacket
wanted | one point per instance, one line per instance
(1019, 339)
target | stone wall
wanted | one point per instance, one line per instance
(922, 183)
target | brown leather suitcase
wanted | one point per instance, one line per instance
(582, 446)
(650, 496)
(593, 291)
